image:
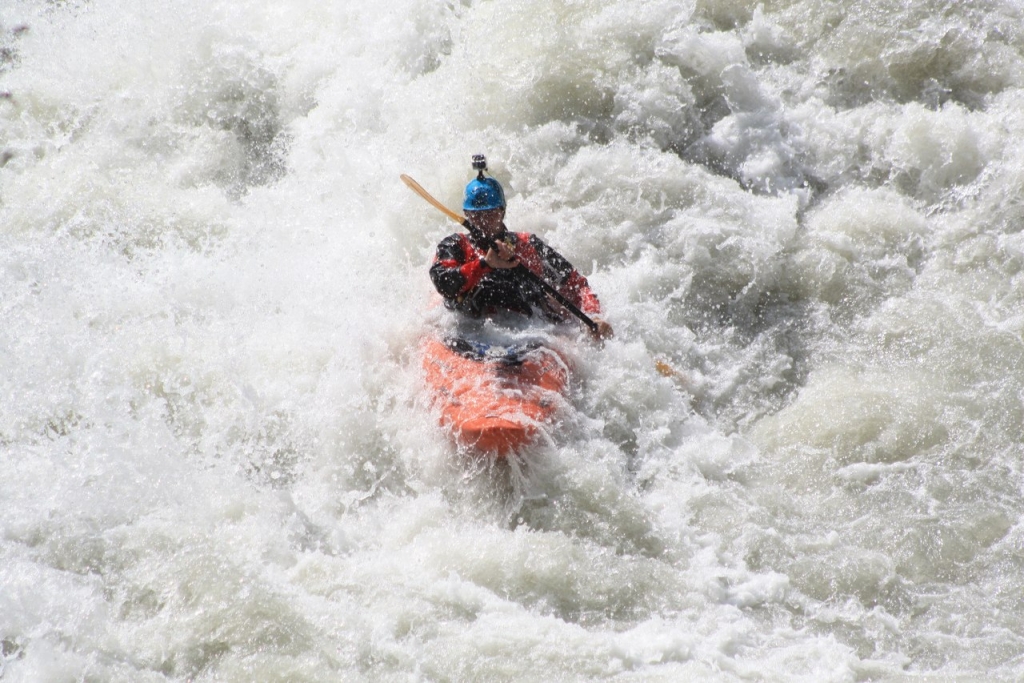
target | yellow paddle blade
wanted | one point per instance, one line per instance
(418, 189)
(664, 369)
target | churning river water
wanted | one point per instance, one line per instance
(217, 461)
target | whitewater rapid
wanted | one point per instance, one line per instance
(217, 461)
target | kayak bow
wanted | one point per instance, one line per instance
(493, 399)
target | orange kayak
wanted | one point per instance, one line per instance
(493, 399)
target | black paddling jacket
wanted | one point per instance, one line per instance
(468, 284)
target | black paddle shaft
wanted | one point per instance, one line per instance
(525, 272)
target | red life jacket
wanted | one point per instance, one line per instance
(534, 254)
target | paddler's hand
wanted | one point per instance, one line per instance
(502, 257)
(603, 331)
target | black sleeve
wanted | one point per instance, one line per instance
(445, 271)
(557, 268)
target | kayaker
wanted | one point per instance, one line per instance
(475, 272)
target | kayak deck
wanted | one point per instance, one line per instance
(493, 399)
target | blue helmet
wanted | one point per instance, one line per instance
(483, 194)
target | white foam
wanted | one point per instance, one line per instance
(798, 459)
